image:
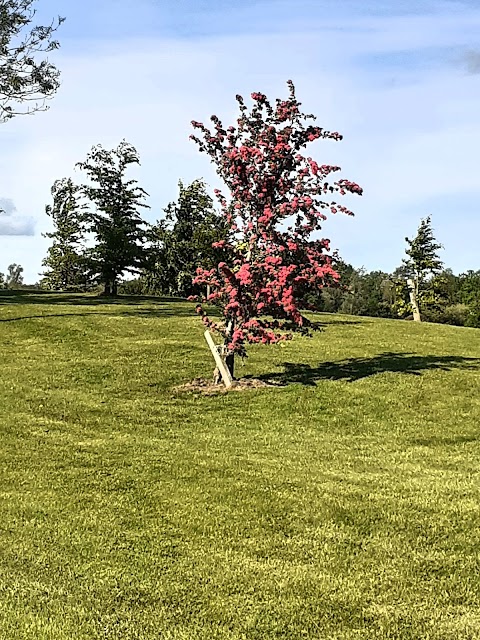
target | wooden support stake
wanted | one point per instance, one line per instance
(224, 372)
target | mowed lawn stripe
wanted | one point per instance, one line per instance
(343, 504)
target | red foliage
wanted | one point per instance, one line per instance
(274, 207)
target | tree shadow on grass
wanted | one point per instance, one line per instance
(48, 297)
(321, 325)
(341, 322)
(161, 307)
(164, 312)
(352, 369)
(440, 441)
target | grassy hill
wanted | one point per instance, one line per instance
(344, 504)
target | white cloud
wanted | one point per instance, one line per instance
(11, 224)
(472, 60)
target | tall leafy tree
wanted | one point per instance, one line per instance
(447, 287)
(65, 259)
(331, 298)
(276, 201)
(469, 286)
(369, 293)
(27, 78)
(182, 241)
(115, 222)
(14, 278)
(421, 264)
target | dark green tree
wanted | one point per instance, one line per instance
(27, 78)
(376, 294)
(332, 298)
(65, 259)
(14, 279)
(469, 287)
(359, 292)
(447, 287)
(115, 222)
(182, 242)
(368, 294)
(421, 264)
(423, 260)
(470, 295)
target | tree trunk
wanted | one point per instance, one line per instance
(108, 290)
(230, 363)
(114, 288)
(230, 357)
(413, 300)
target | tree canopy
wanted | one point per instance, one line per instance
(421, 264)
(65, 260)
(422, 252)
(27, 77)
(182, 241)
(276, 200)
(115, 221)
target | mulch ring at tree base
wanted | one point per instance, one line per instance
(208, 388)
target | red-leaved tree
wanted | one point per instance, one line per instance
(276, 202)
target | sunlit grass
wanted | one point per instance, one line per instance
(344, 504)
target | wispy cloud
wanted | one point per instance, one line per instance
(11, 224)
(472, 61)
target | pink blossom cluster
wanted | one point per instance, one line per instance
(275, 204)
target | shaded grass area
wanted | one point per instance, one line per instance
(352, 369)
(344, 504)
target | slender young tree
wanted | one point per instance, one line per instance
(422, 263)
(115, 222)
(275, 203)
(65, 259)
(182, 241)
(27, 78)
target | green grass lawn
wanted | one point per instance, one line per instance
(344, 504)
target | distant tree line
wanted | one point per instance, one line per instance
(420, 285)
(99, 236)
(453, 299)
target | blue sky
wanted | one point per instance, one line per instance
(400, 81)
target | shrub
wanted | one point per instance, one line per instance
(473, 319)
(456, 314)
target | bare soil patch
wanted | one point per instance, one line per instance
(208, 388)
